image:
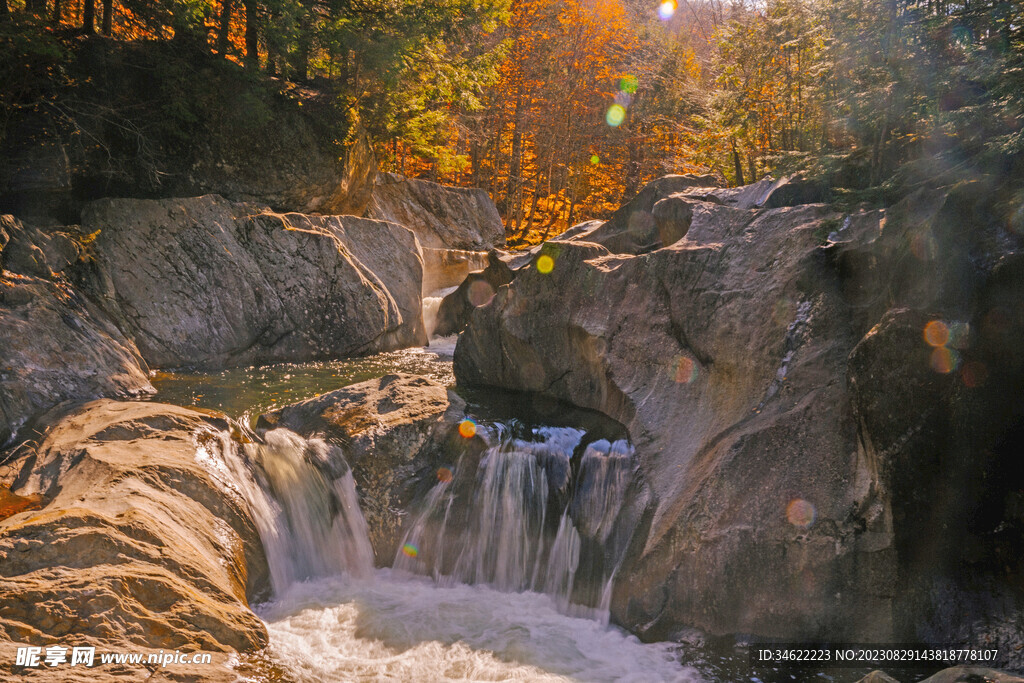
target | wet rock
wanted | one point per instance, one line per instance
(56, 346)
(142, 541)
(442, 217)
(390, 430)
(796, 437)
(632, 229)
(476, 290)
(211, 283)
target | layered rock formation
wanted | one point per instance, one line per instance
(142, 539)
(784, 398)
(211, 283)
(54, 344)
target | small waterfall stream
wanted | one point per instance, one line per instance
(517, 534)
(525, 517)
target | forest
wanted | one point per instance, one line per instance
(563, 109)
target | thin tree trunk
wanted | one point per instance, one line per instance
(58, 11)
(108, 16)
(738, 165)
(252, 36)
(225, 27)
(5, 10)
(89, 17)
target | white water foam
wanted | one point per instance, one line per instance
(399, 627)
(431, 305)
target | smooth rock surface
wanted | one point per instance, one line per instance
(778, 468)
(143, 541)
(632, 229)
(442, 217)
(389, 429)
(476, 290)
(210, 283)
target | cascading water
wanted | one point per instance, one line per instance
(525, 517)
(431, 305)
(305, 506)
(333, 618)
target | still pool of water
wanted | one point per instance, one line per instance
(247, 392)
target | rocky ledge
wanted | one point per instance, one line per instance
(804, 387)
(139, 538)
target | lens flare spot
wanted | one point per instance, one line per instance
(801, 513)
(936, 333)
(685, 370)
(444, 475)
(944, 360)
(667, 9)
(467, 429)
(629, 84)
(545, 264)
(409, 550)
(974, 374)
(595, 160)
(480, 293)
(959, 335)
(615, 116)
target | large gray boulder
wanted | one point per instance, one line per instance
(442, 217)
(784, 404)
(477, 289)
(211, 283)
(141, 541)
(56, 346)
(633, 229)
(390, 430)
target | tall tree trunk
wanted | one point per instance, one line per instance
(108, 17)
(55, 18)
(4, 9)
(737, 164)
(225, 27)
(252, 36)
(515, 169)
(89, 17)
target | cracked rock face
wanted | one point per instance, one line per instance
(209, 283)
(138, 540)
(735, 358)
(55, 345)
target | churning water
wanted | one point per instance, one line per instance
(333, 618)
(404, 628)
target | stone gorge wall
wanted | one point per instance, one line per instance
(799, 436)
(211, 283)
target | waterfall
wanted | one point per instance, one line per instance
(533, 514)
(304, 503)
(431, 305)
